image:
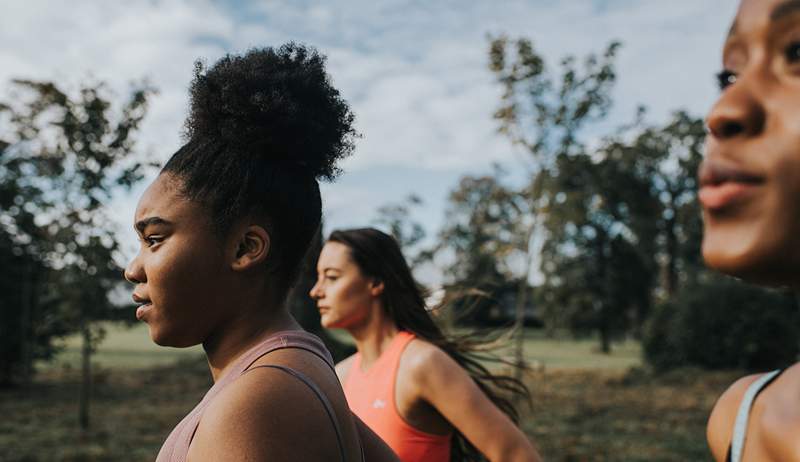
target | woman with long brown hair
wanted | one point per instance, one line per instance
(420, 390)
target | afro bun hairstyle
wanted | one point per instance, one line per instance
(279, 104)
(263, 128)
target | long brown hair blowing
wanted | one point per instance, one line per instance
(379, 256)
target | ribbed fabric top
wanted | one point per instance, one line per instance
(176, 447)
(371, 396)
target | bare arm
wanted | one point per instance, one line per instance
(445, 385)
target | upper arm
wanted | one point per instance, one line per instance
(375, 449)
(445, 385)
(258, 417)
(719, 430)
(343, 368)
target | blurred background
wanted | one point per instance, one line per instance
(538, 156)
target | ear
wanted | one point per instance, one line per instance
(252, 248)
(376, 288)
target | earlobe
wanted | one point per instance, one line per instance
(252, 248)
(377, 288)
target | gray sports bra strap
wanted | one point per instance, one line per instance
(322, 398)
(740, 427)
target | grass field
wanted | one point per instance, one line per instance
(586, 406)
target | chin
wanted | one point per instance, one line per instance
(754, 264)
(167, 339)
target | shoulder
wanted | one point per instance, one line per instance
(719, 430)
(258, 415)
(343, 367)
(425, 362)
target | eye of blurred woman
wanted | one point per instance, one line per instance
(725, 78)
(792, 53)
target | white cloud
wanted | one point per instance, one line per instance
(415, 72)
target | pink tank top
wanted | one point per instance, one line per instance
(371, 396)
(176, 447)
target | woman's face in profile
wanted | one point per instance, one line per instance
(750, 179)
(344, 295)
(180, 270)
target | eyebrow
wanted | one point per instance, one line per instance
(785, 9)
(141, 225)
(781, 11)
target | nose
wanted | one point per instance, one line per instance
(315, 291)
(134, 272)
(738, 112)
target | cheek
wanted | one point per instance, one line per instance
(183, 279)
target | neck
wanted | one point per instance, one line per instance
(244, 331)
(374, 335)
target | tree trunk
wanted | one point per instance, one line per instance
(86, 383)
(605, 338)
(26, 337)
(671, 276)
(519, 326)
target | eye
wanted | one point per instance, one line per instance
(150, 241)
(792, 52)
(725, 78)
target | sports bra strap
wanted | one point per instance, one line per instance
(322, 399)
(740, 427)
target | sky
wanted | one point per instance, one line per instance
(415, 73)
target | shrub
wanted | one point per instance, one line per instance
(723, 324)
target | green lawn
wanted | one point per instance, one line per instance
(124, 347)
(586, 406)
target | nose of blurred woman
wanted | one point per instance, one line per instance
(738, 112)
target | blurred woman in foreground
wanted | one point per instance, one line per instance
(419, 390)
(750, 193)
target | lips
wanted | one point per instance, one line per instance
(145, 305)
(722, 185)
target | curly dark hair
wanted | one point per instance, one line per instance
(262, 129)
(379, 256)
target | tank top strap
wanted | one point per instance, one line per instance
(396, 350)
(740, 426)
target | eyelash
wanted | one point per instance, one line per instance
(792, 52)
(151, 241)
(725, 78)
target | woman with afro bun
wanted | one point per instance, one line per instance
(223, 230)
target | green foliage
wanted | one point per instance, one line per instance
(619, 223)
(396, 219)
(62, 158)
(724, 324)
(485, 231)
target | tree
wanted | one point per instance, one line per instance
(482, 237)
(545, 116)
(396, 218)
(64, 158)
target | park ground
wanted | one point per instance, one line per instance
(586, 406)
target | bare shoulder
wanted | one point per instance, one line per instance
(258, 417)
(720, 423)
(423, 360)
(343, 367)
